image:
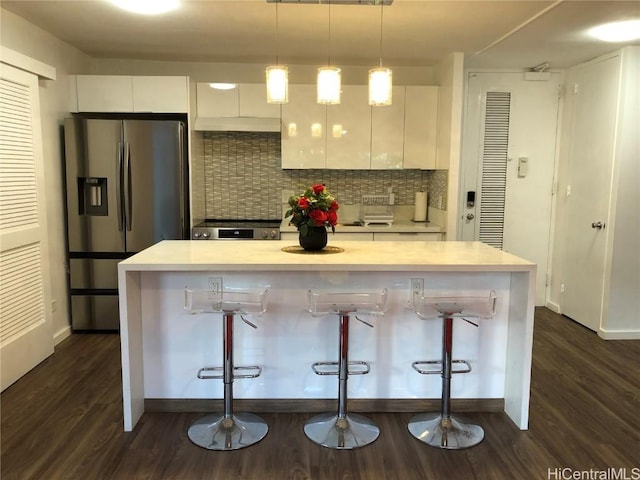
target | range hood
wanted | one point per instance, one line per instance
(237, 124)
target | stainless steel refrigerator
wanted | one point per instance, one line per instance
(126, 189)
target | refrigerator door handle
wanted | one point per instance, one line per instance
(119, 187)
(127, 187)
(183, 186)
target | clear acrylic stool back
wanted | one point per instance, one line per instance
(436, 306)
(248, 301)
(323, 303)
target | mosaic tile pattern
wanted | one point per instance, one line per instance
(243, 178)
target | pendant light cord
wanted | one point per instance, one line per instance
(277, 39)
(329, 39)
(381, 14)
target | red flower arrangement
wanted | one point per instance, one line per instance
(315, 207)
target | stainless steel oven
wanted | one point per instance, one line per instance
(237, 230)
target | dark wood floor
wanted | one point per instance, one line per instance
(64, 421)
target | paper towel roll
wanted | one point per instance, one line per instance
(420, 207)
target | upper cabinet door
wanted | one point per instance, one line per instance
(160, 94)
(420, 127)
(304, 132)
(387, 133)
(212, 102)
(253, 102)
(349, 130)
(124, 93)
(104, 93)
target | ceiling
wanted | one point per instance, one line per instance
(498, 34)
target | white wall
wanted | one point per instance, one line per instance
(24, 37)
(450, 76)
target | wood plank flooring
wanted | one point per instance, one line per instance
(63, 420)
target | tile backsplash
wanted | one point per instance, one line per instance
(243, 178)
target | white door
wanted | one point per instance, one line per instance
(26, 336)
(509, 161)
(595, 92)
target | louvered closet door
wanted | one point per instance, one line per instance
(510, 125)
(25, 322)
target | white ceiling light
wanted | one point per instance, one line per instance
(329, 78)
(380, 79)
(624, 31)
(147, 7)
(223, 86)
(277, 77)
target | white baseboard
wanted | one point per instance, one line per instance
(61, 334)
(619, 334)
(554, 307)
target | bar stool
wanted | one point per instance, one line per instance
(228, 430)
(443, 430)
(341, 430)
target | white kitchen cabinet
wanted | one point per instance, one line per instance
(349, 130)
(420, 127)
(124, 93)
(375, 236)
(240, 109)
(387, 133)
(407, 237)
(253, 101)
(338, 236)
(304, 135)
(160, 94)
(356, 136)
(215, 103)
(104, 93)
(246, 100)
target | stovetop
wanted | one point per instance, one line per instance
(229, 229)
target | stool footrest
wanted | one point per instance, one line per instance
(417, 366)
(250, 371)
(331, 368)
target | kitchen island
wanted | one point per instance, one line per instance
(163, 346)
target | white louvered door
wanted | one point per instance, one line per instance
(26, 336)
(507, 120)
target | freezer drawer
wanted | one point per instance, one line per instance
(94, 312)
(93, 273)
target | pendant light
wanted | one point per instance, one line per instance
(277, 77)
(380, 78)
(329, 78)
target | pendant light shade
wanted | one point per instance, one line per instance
(329, 80)
(380, 79)
(380, 86)
(277, 84)
(277, 76)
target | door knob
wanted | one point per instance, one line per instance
(597, 225)
(470, 216)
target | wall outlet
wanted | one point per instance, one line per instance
(416, 288)
(214, 287)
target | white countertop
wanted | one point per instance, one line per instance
(267, 255)
(398, 226)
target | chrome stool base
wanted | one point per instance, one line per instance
(215, 432)
(449, 433)
(346, 433)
